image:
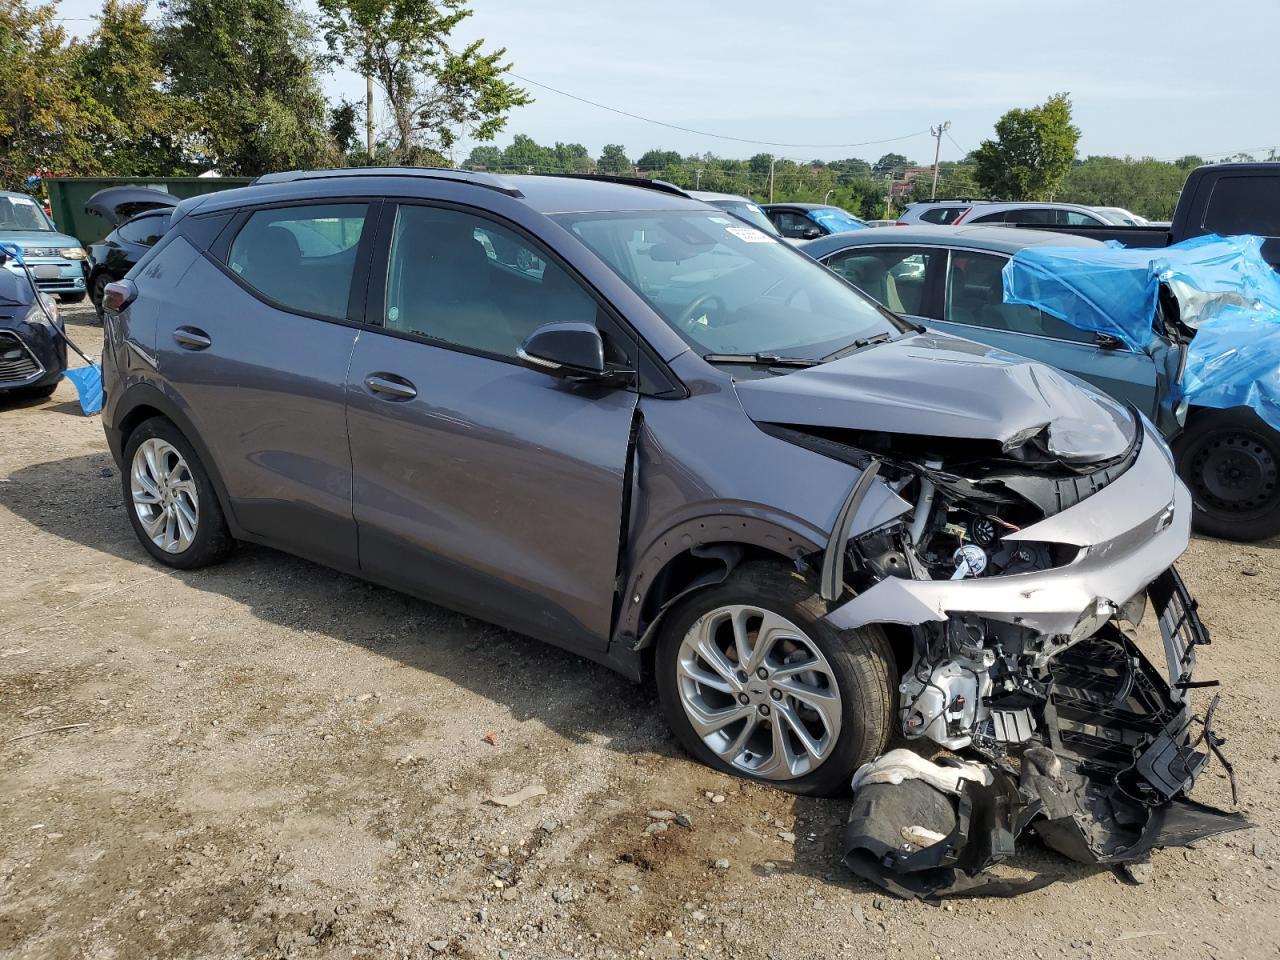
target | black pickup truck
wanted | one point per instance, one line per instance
(1228, 199)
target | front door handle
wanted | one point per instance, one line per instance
(390, 387)
(192, 338)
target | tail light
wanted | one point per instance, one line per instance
(116, 296)
(901, 223)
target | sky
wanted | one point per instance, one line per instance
(1158, 79)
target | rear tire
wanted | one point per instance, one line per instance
(172, 505)
(1230, 460)
(764, 600)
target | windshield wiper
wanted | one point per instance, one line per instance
(859, 344)
(760, 359)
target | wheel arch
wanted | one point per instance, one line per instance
(142, 402)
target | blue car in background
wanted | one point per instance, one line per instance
(808, 221)
(57, 260)
(950, 278)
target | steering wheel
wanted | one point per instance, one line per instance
(696, 308)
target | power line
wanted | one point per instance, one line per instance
(704, 133)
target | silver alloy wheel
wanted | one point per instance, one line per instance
(164, 495)
(759, 692)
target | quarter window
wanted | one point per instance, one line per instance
(144, 230)
(1074, 218)
(975, 297)
(468, 282)
(943, 215)
(301, 258)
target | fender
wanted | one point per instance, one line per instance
(696, 535)
(143, 394)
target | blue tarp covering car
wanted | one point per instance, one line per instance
(1227, 301)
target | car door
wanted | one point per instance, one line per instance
(973, 306)
(479, 483)
(256, 352)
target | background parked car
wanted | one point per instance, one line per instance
(744, 208)
(808, 221)
(56, 260)
(950, 279)
(951, 212)
(32, 354)
(140, 217)
(1122, 217)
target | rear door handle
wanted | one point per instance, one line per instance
(390, 387)
(192, 338)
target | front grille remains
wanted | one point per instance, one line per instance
(17, 365)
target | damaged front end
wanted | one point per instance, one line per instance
(1023, 577)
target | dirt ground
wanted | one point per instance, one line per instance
(275, 760)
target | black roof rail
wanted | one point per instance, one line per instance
(479, 179)
(661, 185)
(952, 200)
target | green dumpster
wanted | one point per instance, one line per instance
(67, 196)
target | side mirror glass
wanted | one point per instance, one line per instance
(572, 350)
(811, 233)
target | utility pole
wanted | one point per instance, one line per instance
(697, 183)
(888, 199)
(772, 161)
(368, 101)
(936, 133)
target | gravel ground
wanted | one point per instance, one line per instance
(275, 760)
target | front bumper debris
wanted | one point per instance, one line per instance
(1104, 781)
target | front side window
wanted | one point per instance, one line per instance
(301, 258)
(975, 297)
(728, 288)
(894, 276)
(1074, 218)
(469, 282)
(745, 210)
(796, 226)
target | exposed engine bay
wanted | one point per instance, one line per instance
(1021, 660)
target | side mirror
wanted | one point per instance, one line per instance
(572, 350)
(810, 233)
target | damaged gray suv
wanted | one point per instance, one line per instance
(629, 424)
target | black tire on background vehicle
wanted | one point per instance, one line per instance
(857, 666)
(190, 489)
(97, 290)
(71, 297)
(1230, 460)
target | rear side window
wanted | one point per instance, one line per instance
(144, 230)
(975, 297)
(1244, 205)
(896, 277)
(1074, 218)
(1031, 215)
(301, 258)
(943, 215)
(988, 218)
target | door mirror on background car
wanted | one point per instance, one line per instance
(574, 350)
(810, 233)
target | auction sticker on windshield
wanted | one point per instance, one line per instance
(750, 234)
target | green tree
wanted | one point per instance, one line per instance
(245, 72)
(344, 126)
(573, 158)
(652, 160)
(46, 121)
(434, 95)
(1032, 152)
(613, 160)
(483, 157)
(137, 129)
(526, 155)
(891, 163)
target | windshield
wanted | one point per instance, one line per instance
(744, 210)
(22, 213)
(835, 220)
(728, 288)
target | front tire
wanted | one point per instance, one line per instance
(1230, 460)
(754, 682)
(171, 502)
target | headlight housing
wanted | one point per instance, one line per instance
(73, 253)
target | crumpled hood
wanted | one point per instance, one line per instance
(941, 386)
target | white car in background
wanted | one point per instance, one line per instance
(1121, 217)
